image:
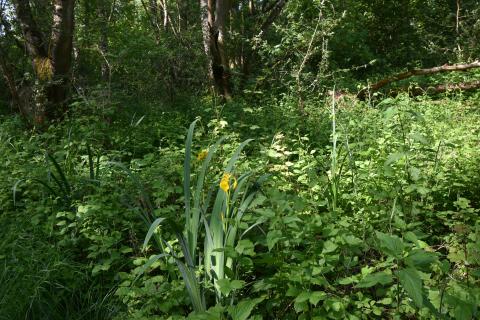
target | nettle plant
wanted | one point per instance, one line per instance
(211, 239)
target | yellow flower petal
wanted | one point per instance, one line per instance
(225, 182)
(202, 155)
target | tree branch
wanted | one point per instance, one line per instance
(416, 72)
(34, 39)
(275, 12)
(418, 91)
(7, 29)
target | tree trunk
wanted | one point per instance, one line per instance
(218, 42)
(184, 13)
(104, 12)
(10, 81)
(272, 10)
(52, 58)
(213, 17)
(62, 39)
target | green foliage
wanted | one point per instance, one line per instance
(221, 227)
(126, 209)
(400, 241)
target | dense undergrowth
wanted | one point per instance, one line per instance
(367, 211)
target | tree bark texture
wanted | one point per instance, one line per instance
(213, 18)
(51, 56)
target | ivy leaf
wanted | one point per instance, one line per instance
(412, 283)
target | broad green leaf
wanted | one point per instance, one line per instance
(390, 244)
(273, 236)
(373, 279)
(352, 240)
(300, 306)
(418, 137)
(463, 311)
(410, 236)
(243, 309)
(476, 273)
(316, 296)
(293, 291)
(245, 247)
(394, 157)
(150, 261)
(414, 173)
(303, 296)
(386, 301)
(329, 247)
(390, 113)
(213, 313)
(227, 285)
(420, 259)
(411, 282)
(347, 280)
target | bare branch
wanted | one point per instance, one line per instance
(418, 91)
(34, 39)
(416, 72)
(275, 12)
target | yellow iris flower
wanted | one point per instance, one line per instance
(225, 182)
(202, 155)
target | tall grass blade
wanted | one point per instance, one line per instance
(60, 172)
(333, 165)
(214, 252)
(151, 230)
(14, 191)
(186, 170)
(90, 163)
(193, 226)
(185, 250)
(145, 197)
(193, 286)
(47, 186)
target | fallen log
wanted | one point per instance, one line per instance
(418, 91)
(362, 94)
